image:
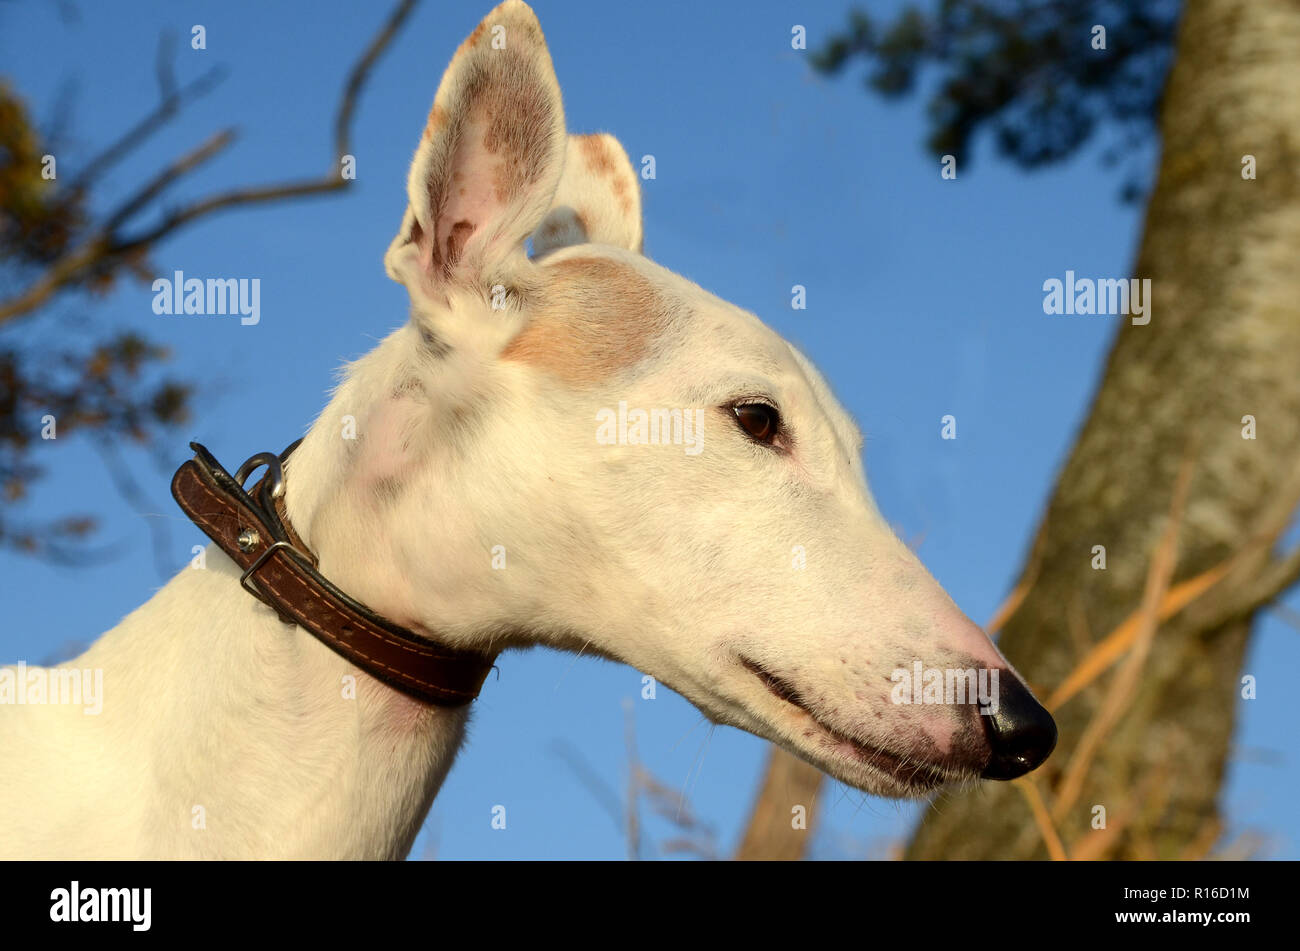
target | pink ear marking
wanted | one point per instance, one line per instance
(489, 157)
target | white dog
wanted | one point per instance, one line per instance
(579, 449)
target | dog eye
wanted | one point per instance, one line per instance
(760, 421)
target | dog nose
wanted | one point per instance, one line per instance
(1022, 733)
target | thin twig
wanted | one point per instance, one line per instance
(1095, 843)
(1011, 604)
(168, 108)
(155, 186)
(633, 811)
(588, 776)
(1261, 585)
(1118, 642)
(1125, 686)
(1029, 789)
(105, 246)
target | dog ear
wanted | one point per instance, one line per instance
(490, 158)
(598, 201)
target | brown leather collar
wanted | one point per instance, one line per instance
(253, 529)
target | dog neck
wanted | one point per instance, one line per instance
(263, 741)
(259, 740)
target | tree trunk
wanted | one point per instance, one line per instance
(772, 832)
(1223, 343)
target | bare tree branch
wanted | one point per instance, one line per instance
(173, 100)
(105, 246)
(155, 186)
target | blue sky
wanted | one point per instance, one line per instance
(924, 299)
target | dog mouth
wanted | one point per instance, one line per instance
(914, 777)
